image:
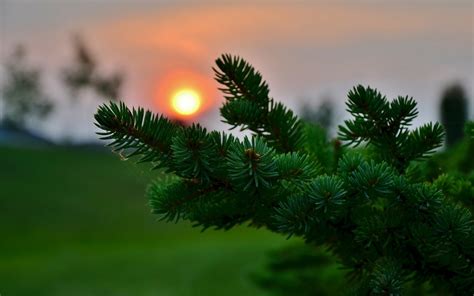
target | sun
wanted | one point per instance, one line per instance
(186, 101)
(184, 95)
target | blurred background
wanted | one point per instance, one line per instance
(73, 219)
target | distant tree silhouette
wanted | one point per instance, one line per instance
(22, 91)
(321, 115)
(83, 73)
(109, 87)
(454, 113)
(79, 74)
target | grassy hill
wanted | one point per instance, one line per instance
(75, 222)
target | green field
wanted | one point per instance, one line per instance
(75, 222)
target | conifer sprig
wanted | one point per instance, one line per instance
(385, 125)
(389, 228)
(249, 106)
(193, 153)
(251, 165)
(141, 132)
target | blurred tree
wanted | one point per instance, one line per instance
(79, 74)
(22, 92)
(323, 115)
(454, 113)
(83, 74)
(301, 269)
(108, 88)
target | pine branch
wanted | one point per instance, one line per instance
(384, 224)
(385, 126)
(147, 135)
(241, 81)
(423, 141)
(248, 105)
(193, 153)
(328, 196)
(295, 171)
(387, 277)
(251, 165)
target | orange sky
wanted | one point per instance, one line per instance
(304, 51)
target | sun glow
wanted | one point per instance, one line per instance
(184, 95)
(186, 101)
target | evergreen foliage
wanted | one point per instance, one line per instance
(386, 225)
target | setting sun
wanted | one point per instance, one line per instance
(186, 101)
(185, 95)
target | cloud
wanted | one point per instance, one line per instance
(198, 30)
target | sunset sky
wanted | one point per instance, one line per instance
(305, 50)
